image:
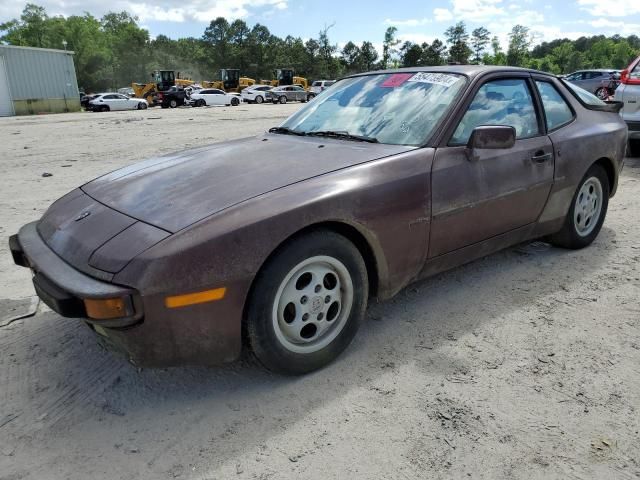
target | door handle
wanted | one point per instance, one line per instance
(541, 157)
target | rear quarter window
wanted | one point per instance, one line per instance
(557, 112)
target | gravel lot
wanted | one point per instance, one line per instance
(525, 364)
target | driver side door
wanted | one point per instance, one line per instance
(475, 199)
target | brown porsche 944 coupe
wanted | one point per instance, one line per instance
(277, 242)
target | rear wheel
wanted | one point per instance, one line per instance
(602, 93)
(104, 108)
(587, 212)
(201, 103)
(307, 303)
(259, 99)
(142, 106)
(283, 99)
(173, 103)
(235, 102)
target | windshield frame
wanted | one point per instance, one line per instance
(437, 129)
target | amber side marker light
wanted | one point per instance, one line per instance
(107, 308)
(195, 298)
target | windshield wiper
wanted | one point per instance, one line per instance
(285, 131)
(342, 135)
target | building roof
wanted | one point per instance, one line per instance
(68, 52)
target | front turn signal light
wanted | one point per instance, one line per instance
(107, 308)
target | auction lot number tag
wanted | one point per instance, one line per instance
(435, 78)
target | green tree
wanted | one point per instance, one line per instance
(434, 54)
(458, 39)
(368, 56)
(389, 46)
(479, 41)
(519, 43)
(410, 54)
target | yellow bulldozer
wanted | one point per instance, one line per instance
(284, 76)
(162, 80)
(230, 81)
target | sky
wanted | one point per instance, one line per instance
(417, 21)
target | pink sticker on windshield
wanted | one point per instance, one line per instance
(396, 79)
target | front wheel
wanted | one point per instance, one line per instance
(259, 99)
(173, 103)
(142, 106)
(307, 303)
(587, 212)
(235, 102)
(283, 99)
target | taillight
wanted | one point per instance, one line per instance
(625, 75)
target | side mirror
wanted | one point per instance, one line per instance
(490, 138)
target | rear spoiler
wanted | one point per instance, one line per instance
(609, 106)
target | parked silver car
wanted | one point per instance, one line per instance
(629, 94)
(291, 93)
(591, 80)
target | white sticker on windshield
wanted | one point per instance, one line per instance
(443, 79)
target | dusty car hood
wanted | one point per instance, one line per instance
(174, 191)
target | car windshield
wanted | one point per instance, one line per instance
(393, 108)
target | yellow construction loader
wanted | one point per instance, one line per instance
(162, 80)
(230, 81)
(284, 76)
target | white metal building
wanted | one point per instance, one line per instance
(37, 80)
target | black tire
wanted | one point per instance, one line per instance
(201, 103)
(259, 99)
(602, 93)
(283, 99)
(104, 108)
(569, 237)
(142, 106)
(173, 103)
(634, 148)
(235, 102)
(260, 324)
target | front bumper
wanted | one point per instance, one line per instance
(62, 287)
(203, 334)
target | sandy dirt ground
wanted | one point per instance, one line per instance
(523, 365)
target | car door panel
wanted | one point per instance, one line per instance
(474, 199)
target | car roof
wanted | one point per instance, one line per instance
(467, 70)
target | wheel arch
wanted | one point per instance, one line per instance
(372, 261)
(608, 166)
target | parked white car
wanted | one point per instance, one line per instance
(213, 96)
(116, 101)
(319, 86)
(255, 93)
(628, 92)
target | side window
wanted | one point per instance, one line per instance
(500, 102)
(556, 109)
(109, 97)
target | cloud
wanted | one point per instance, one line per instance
(418, 38)
(442, 15)
(619, 27)
(622, 8)
(159, 11)
(411, 22)
(470, 11)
